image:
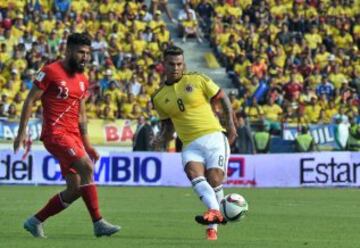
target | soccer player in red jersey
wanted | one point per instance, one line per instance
(62, 87)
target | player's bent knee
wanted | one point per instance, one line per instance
(86, 174)
(89, 169)
(191, 174)
(214, 182)
(72, 196)
(73, 189)
(193, 170)
(84, 167)
(215, 177)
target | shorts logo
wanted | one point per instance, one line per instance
(82, 86)
(188, 88)
(72, 152)
(40, 76)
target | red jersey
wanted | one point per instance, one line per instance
(61, 98)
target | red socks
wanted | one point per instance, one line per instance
(89, 195)
(54, 206)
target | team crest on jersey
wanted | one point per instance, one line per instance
(40, 76)
(189, 88)
(82, 85)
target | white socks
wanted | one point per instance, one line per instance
(219, 191)
(205, 192)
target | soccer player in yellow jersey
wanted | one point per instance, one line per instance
(184, 104)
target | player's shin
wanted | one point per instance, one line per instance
(90, 197)
(54, 206)
(205, 192)
(219, 192)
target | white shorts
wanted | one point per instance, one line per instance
(212, 150)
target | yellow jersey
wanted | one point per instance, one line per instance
(187, 104)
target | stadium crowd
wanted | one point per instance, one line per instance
(126, 52)
(293, 62)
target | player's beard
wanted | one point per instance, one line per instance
(175, 76)
(75, 65)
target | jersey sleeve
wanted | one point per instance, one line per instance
(42, 79)
(210, 88)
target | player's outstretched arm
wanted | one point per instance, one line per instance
(34, 94)
(164, 136)
(93, 154)
(229, 115)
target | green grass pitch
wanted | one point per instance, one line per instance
(164, 217)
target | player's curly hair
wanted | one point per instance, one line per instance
(173, 51)
(78, 39)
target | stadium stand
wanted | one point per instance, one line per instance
(126, 51)
(295, 48)
(302, 57)
(211, 60)
(291, 62)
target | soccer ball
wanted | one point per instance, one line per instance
(233, 207)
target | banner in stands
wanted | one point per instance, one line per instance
(323, 134)
(8, 129)
(326, 169)
(119, 132)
